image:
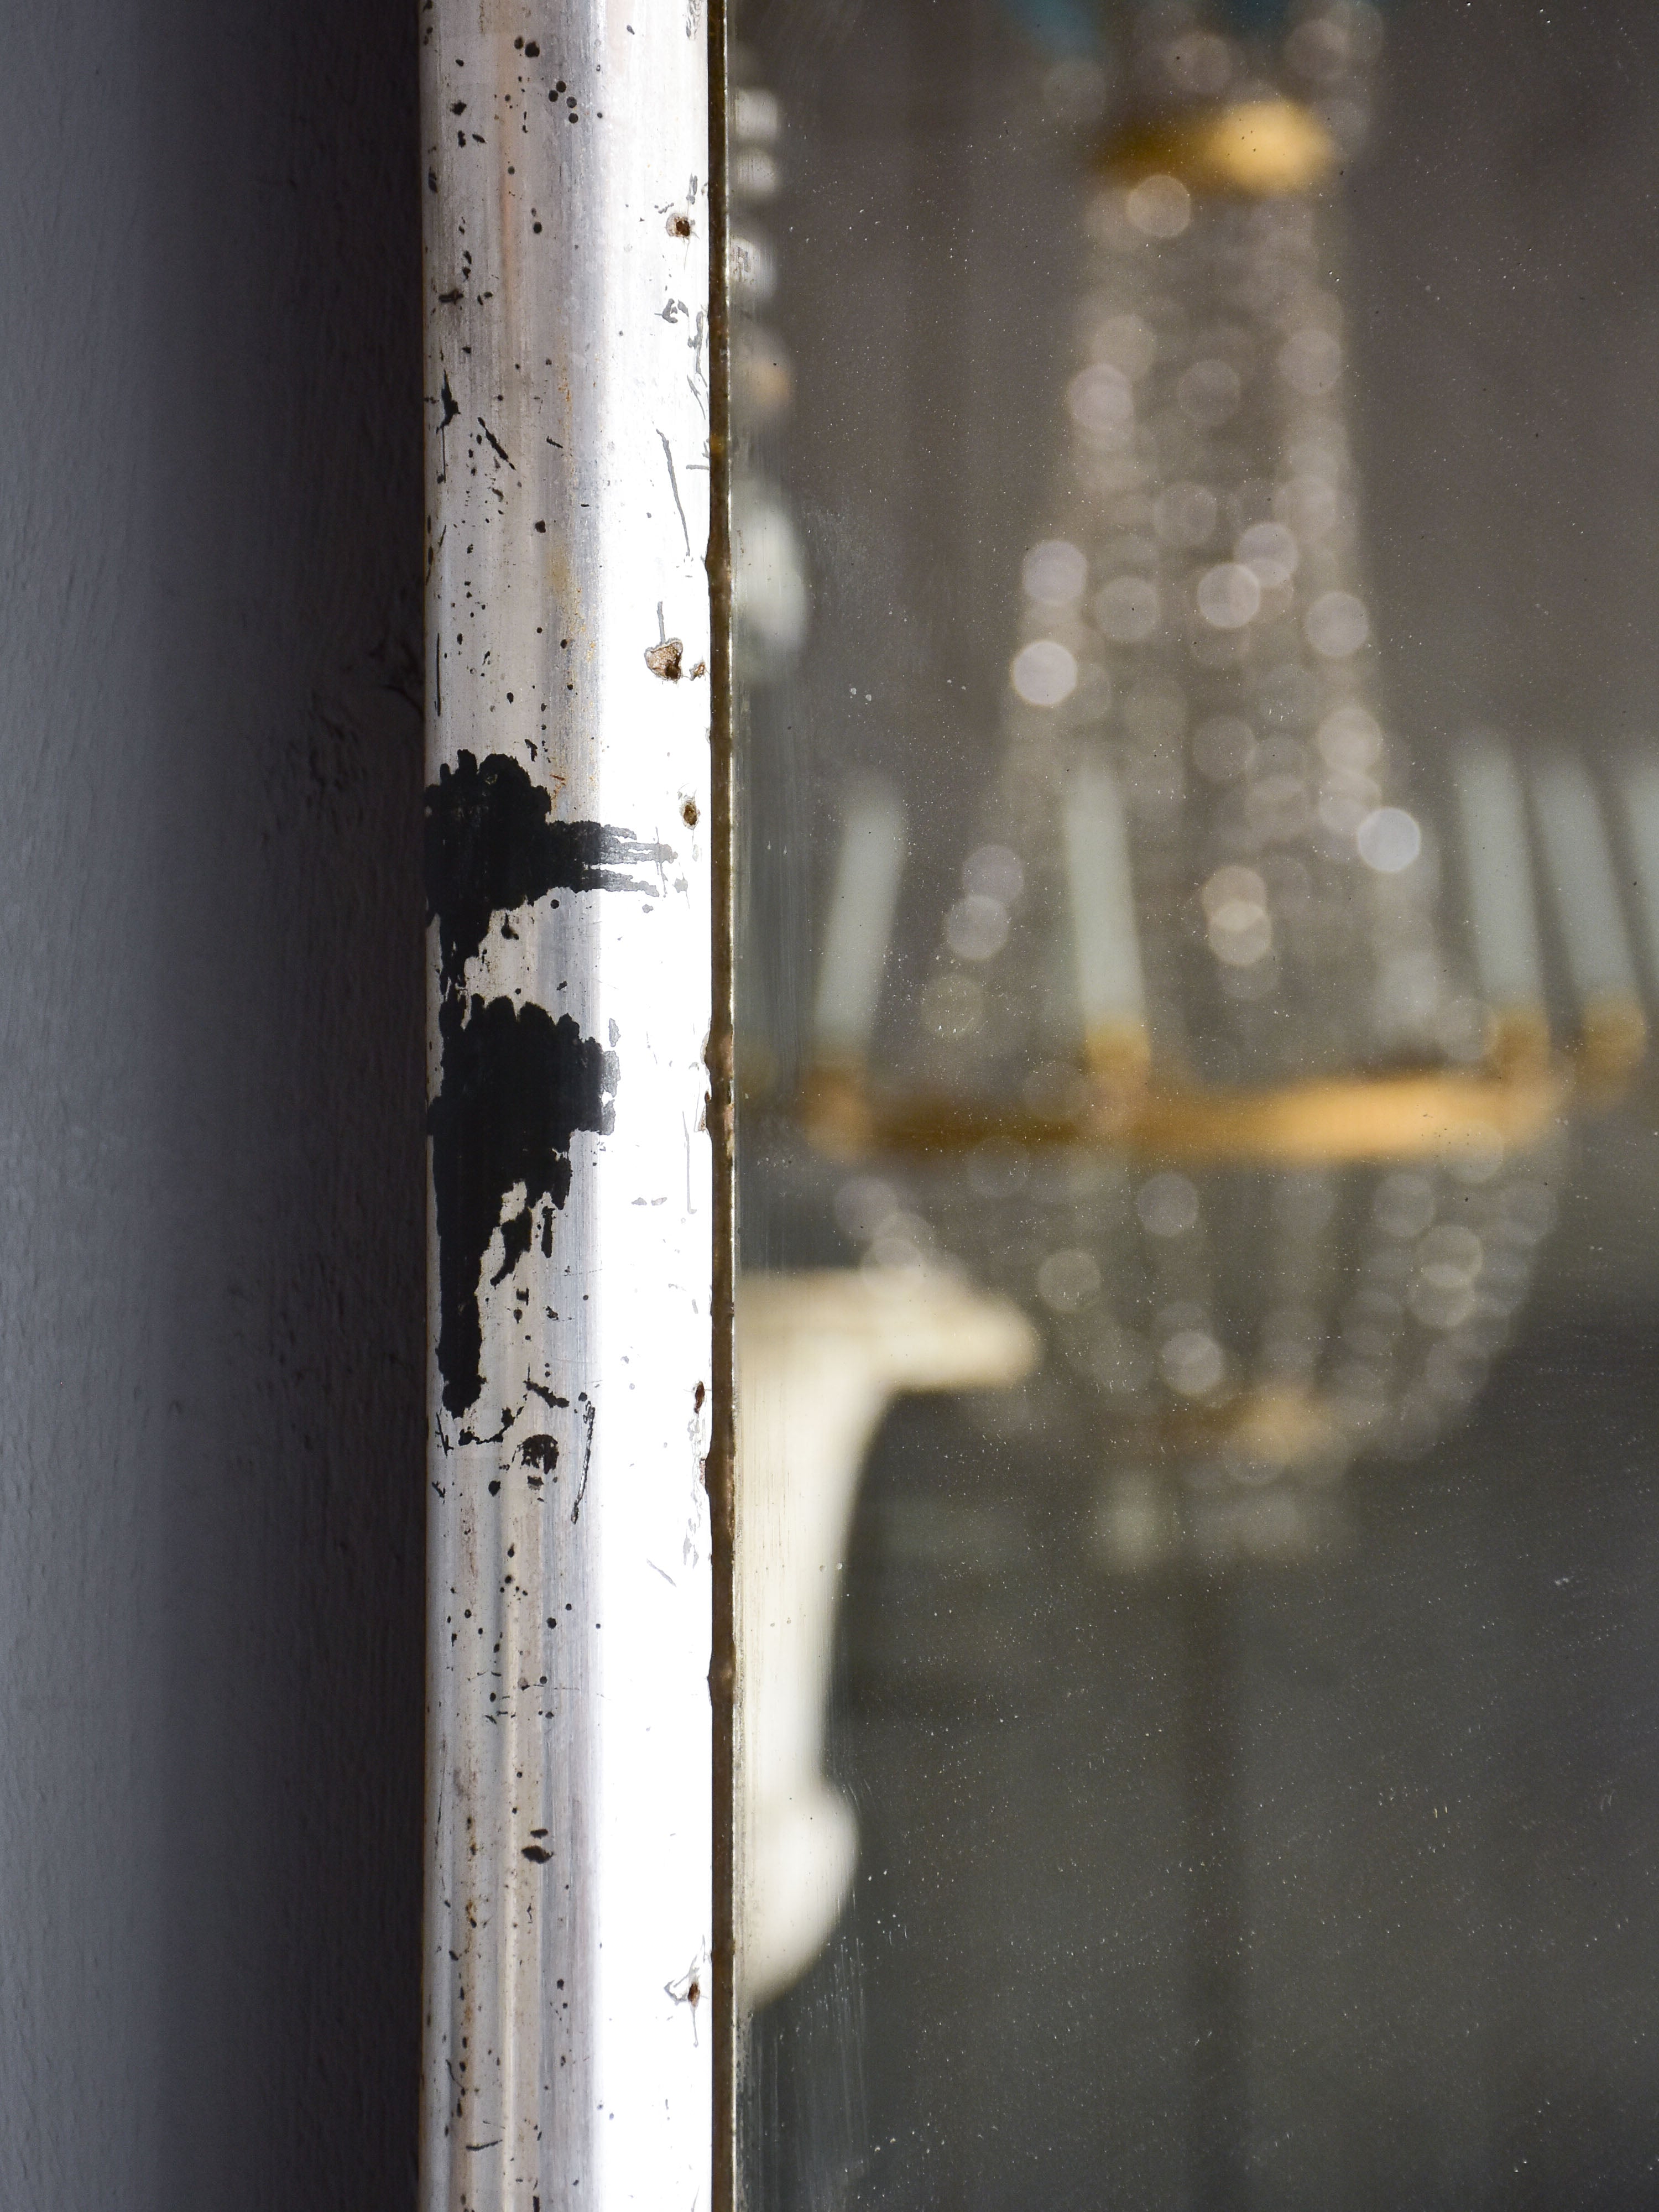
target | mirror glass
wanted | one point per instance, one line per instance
(1198, 759)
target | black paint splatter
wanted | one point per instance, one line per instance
(540, 1451)
(517, 1085)
(496, 443)
(590, 1414)
(492, 846)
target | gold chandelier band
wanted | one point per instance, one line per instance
(1343, 1122)
(1253, 150)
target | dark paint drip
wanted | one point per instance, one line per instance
(590, 1414)
(492, 847)
(517, 1085)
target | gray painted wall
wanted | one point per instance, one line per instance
(210, 1203)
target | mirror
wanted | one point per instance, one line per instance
(1198, 941)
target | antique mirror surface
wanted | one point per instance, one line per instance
(1198, 767)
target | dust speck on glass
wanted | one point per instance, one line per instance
(1198, 757)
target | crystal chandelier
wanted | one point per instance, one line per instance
(1233, 1066)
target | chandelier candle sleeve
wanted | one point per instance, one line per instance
(1492, 813)
(1105, 942)
(868, 869)
(1578, 864)
(1640, 793)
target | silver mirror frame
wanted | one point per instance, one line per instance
(577, 2011)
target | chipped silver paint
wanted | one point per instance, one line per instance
(569, 1727)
